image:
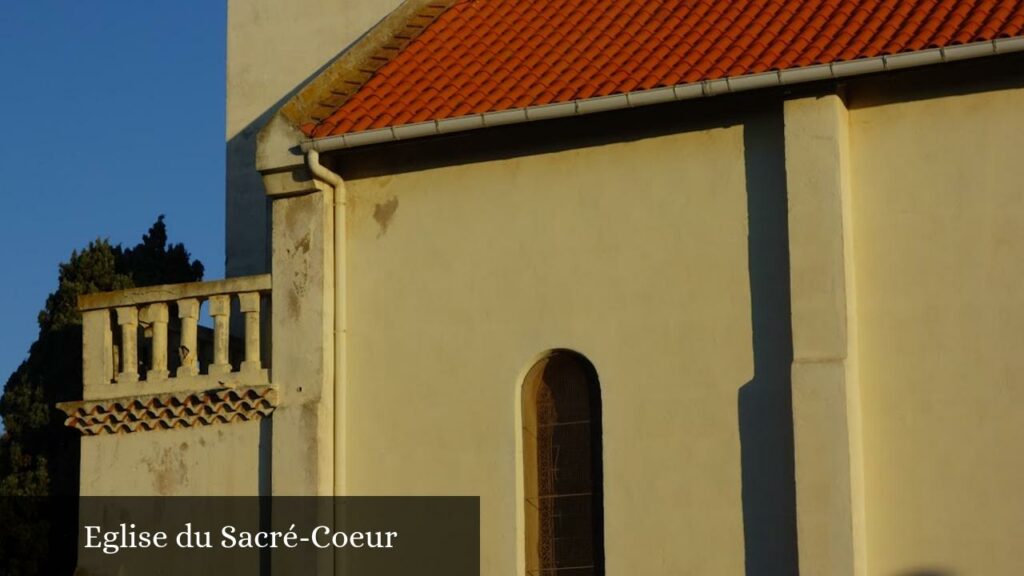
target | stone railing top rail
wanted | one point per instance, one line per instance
(170, 292)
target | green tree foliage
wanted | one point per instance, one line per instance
(155, 262)
(38, 454)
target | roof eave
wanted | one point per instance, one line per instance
(728, 85)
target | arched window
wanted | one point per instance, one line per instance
(562, 466)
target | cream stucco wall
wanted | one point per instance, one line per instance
(938, 215)
(273, 48)
(218, 460)
(633, 254)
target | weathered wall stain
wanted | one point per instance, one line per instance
(383, 213)
(311, 418)
(299, 253)
(168, 470)
(302, 245)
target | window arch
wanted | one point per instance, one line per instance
(562, 467)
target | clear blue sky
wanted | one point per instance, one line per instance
(112, 113)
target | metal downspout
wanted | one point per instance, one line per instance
(322, 173)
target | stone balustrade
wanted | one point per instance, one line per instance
(145, 341)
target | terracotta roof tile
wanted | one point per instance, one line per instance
(490, 55)
(170, 411)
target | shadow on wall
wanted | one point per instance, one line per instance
(765, 408)
(247, 209)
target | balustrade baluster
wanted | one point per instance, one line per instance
(249, 304)
(157, 315)
(188, 350)
(128, 320)
(220, 309)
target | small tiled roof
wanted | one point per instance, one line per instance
(490, 55)
(170, 411)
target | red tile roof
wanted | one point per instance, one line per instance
(490, 55)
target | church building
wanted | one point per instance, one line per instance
(676, 287)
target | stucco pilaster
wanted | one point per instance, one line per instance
(826, 395)
(303, 327)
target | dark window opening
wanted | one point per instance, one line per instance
(562, 465)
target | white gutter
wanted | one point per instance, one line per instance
(337, 207)
(668, 94)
